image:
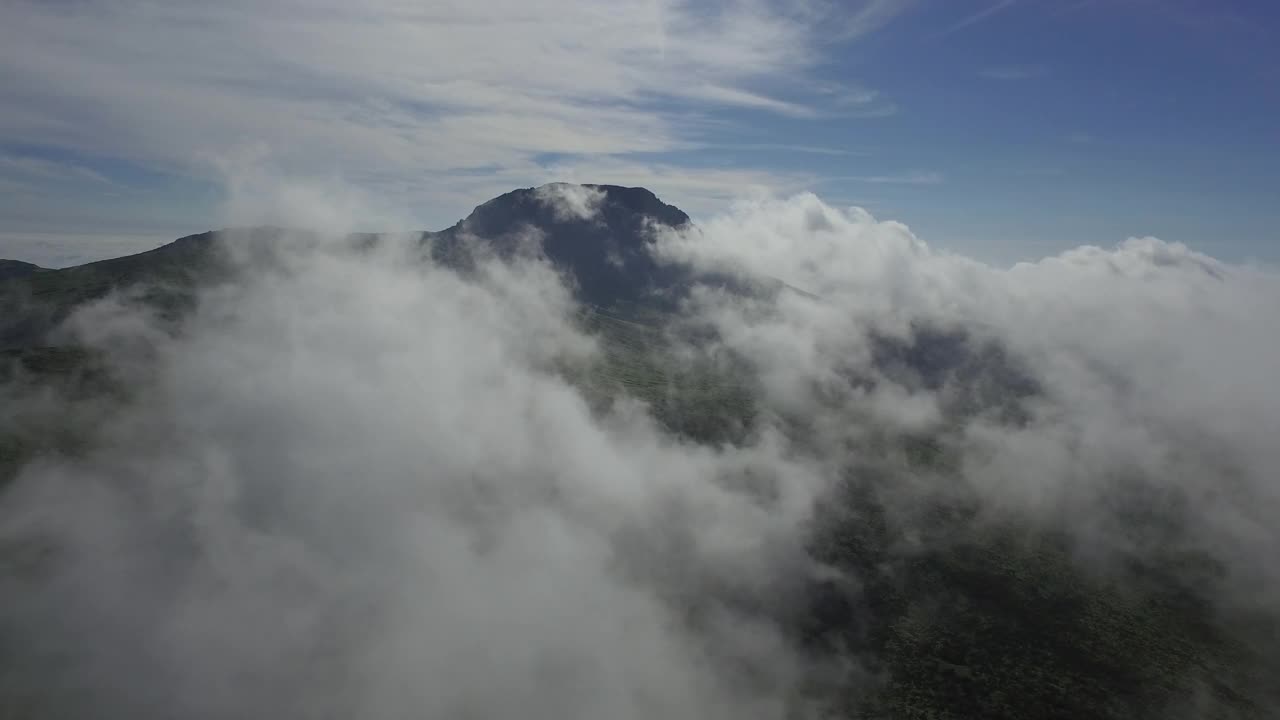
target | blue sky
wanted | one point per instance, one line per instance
(1001, 129)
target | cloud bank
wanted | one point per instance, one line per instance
(358, 484)
(1150, 357)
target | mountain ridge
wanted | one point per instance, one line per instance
(604, 255)
(18, 268)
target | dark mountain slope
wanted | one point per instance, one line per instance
(606, 257)
(17, 268)
(33, 304)
(606, 253)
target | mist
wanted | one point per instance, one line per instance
(355, 483)
(1147, 359)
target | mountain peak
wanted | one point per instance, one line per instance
(599, 235)
(562, 203)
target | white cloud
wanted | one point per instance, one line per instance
(401, 96)
(707, 189)
(1013, 72)
(906, 178)
(743, 98)
(792, 148)
(363, 481)
(1150, 355)
(569, 201)
(369, 493)
(38, 169)
(873, 15)
(977, 17)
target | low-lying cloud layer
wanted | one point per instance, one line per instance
(1153, 358)
(357, 484)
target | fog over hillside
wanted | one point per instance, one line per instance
(354, 482)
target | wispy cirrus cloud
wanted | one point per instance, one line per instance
(792, 148)
(412, 94)
(1013, 72)
(703, 190)
(20, 169)
(907, 178)
(977, 17)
